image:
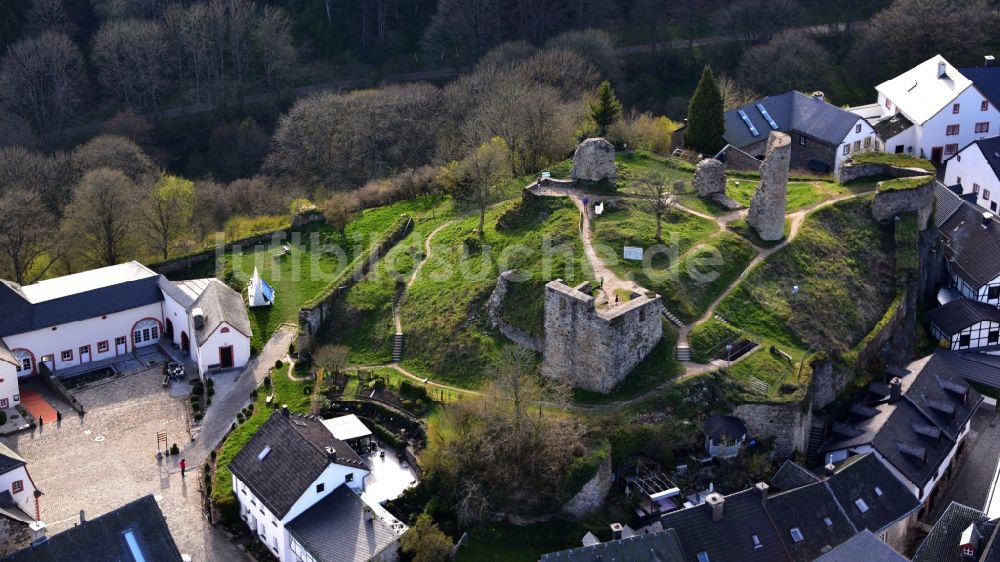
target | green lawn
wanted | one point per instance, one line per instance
(777, 373)
(363, 319)
(800, 193)
(320, 259)
(842, 262)
(444, 315)
(286, 391)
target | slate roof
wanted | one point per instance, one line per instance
(791, 111)
(892, 126)
(970, 248)
(102, 539)
(720, 425)
(9, 460)
(946, 202)
(859, 480)
(991, 151)
(920, 93)
(730, 538)
(961, 313)
(221, 304)
(334, 529)
(808, 508)
(941, 545)
(21, 316)
(659, 546)
(986, 79)
(296, 459)
(979, 368)
(863, 546)
(792, 475)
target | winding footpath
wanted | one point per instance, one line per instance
(397, 309)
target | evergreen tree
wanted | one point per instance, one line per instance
(606, 109)
(705, 125)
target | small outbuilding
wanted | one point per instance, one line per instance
(259, 293)
(352, 431)
(724, 436)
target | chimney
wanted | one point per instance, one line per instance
(284, 410)
(988, 60)
(198, 316)
(38, 530)
(761, 488)
(818, 94)
(987, 218)
(616, 531)
(331, 453)
(895, 390)
(829, 469)
(83, 517)
(368, 514)
(941, 69)
(715, 502)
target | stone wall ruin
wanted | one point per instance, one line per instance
(767, 207)
(594, 160)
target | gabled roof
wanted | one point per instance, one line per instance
(814, 511)
(658, 546)
(970, 247)
(892, 126)
(335, 529)
(863, 546)
(946, 202)
(221, 304)
(990, 148)
(76, 297)
(297, 455)
(980, 368)
(792, 475)
(730, 538)
(720, 425)
(920, 93)
(961, 313)
(791, 111)
(105, 538)
(986, 79)
(9, 460)
(864, 479)
(941, 545)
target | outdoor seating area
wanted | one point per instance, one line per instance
(656, 493)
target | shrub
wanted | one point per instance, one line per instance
(211, 455)
(197, 416)
(210, 383)
(267, 381)
(291, 348)
(208, 402)
(174, 449)
(408, 404)
(197, 390)
(278, 364)
(412, 390)
(3, 418)
(307, 390)
(376, 384)
(240, 418)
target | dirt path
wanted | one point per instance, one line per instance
(397, 309)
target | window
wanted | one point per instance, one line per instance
(983, 127)
(993, 336)
(955, 108)
(963, 341)
(796, 534)
(861, 505)
(986, 194)
(17, 487)
(263, 453)
(888, 104)
(857, 128)
(146, 330)
(993, 206)
(224, 330)
(802, 140)
(984, 105)
(66, 355)
(703, 556)
(120, 340)
(951, 130)
(968, 551)
(23, 358)
(756, 542)
(102, 346)
(975, 186)
(320, 487)
(846, 150)
(349, 477)
(857, 145)
(950, 149)
(868, 142)
(828, 521)
(993, 293)
(84, 350)
(899, 149)
(878, 491)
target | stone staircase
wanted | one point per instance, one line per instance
(683, 352)
(673, 319)
(817, 435)
(397, 347)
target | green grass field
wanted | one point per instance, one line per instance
(320, 259)
(843, 264)
(626, 223)
(444, 314)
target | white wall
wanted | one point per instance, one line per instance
(866, 132)
(71, 336)
(9, 389)
(978, 335)
(208, 352)
(182, 323)
(933, 133)
(25, 499)
(969, 168)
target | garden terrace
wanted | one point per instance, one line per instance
(902, 184)
(896, 160)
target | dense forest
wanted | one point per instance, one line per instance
(142, 128)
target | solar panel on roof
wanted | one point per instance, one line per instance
(763, 111)
(753, 130)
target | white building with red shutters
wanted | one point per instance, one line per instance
(110, 312)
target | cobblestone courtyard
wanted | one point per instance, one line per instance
(107, 458)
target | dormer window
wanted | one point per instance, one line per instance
(756, 542)
(878, 491)
(861, 505)
(703, 556)
(796, 534)
(967, 550)
(828, 521)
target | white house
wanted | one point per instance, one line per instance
(112, 311)
(931, 111)
(18, 494)
(259, 293)
(299, 490)
(975, 170)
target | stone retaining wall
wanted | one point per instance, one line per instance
(788, 424)
(849, 171)
(591, 496)
(493, 310)
(888, 204)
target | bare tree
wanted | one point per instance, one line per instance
(486, 170)
(273, 46)
(733, 94)
(27, 244)
(116, 153)
(101, 222)
(789, 61)
(331, 358)
(41, 79)
(129, 59)
(657, 198)
(49, 15)
(167, 211)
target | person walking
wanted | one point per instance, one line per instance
(183, 467)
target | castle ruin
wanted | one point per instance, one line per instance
(594, 160)
(594, 348)
(767, 207)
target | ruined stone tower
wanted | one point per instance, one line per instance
(767, 208)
